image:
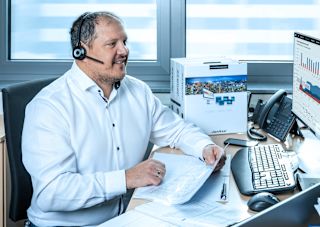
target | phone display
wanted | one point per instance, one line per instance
(240, 142)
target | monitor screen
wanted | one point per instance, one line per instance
(306, 81)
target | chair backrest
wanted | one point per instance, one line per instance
(15, 98)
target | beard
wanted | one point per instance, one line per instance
(108, 75)
(110, 78)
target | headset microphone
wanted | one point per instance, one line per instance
(94, 59)
(79, 52)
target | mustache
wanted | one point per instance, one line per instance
(120, 60)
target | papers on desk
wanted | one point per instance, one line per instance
(204, 208)
(184, 176)
(134, 218)
(308, 154)
(194, 214)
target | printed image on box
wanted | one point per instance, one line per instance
(215, 84)
(223, 97)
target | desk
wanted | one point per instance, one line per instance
(290, 144)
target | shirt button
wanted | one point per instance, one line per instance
(113, 125)
(118, 148)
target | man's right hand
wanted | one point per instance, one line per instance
(148, 172)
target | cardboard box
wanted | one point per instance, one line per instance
(210, 93)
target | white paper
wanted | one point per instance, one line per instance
(309, 157)
(203, 209)
(184, 176)
(135, 219)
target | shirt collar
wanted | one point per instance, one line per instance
(85, 83)
(78, 77)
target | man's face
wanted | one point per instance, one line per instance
(109, 46)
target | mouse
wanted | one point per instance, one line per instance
(261, 201)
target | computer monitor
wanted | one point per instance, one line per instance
(306, 81)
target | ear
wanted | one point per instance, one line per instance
(85, 45)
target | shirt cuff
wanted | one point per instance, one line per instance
(115, 183)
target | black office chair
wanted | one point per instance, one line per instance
(15, 98)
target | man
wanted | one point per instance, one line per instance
(85, 134)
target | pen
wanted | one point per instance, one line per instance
(223, 195)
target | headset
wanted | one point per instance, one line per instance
(79, 52)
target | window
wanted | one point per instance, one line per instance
(250, 29)
(40, 28)
(257, 31)
(35, 38)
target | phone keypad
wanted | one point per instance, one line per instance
(279, 127)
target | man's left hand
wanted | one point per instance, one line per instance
(211, 153)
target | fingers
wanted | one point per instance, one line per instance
(158, 165)
(157, 168)
(160, 171)
(149, 172)
(160, 174)
(221, 163)
(212, 153)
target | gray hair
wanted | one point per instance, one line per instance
(86, 23)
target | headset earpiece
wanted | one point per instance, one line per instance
(79, 53)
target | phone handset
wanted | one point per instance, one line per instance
(274, 117)
(275, 98)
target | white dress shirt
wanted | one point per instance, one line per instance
(76, 145)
